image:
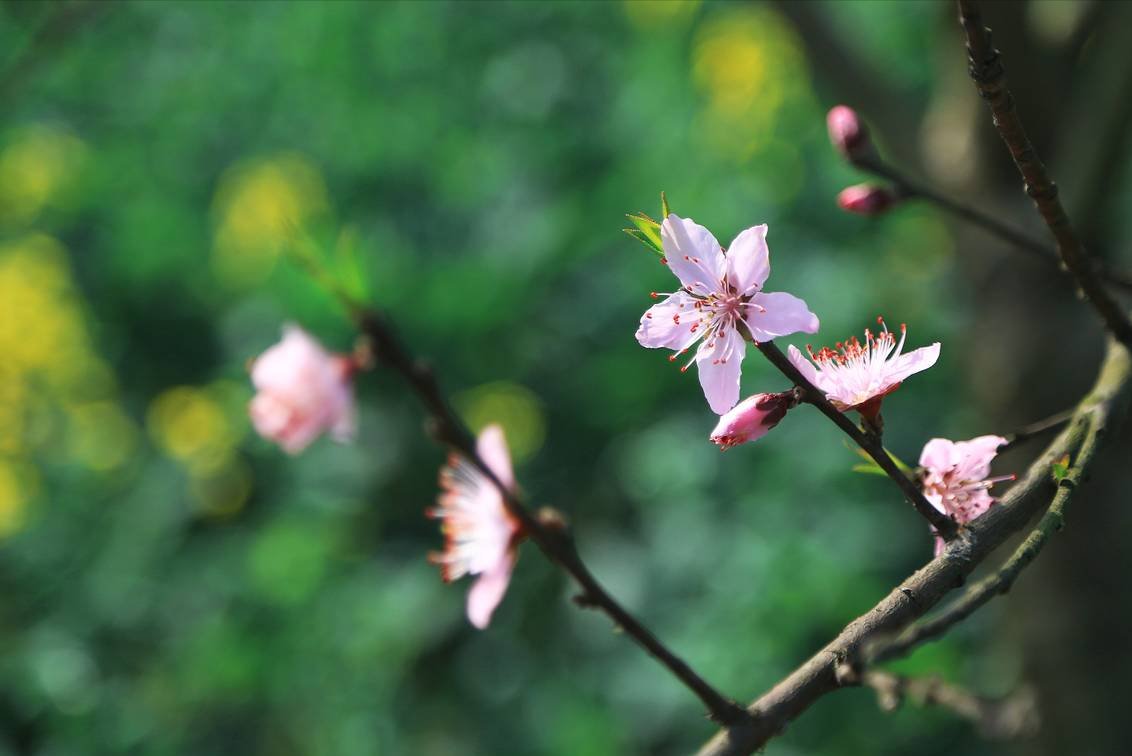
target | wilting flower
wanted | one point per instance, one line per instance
(856, 377)
(846, 131)
(751, 418)
(720, 299)
(866, 199)
(956, 477)
(481, 536)
(302, 391)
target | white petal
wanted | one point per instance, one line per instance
(492, 449)
(912, 362)
(720, 368)
(779, 314)
(748, 260)
(805, 367)
(669, 323)
(692, 253)
(488, 590)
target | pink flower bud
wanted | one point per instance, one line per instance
(846, 131)
(302, 391)
(751, 418)
(866, 199)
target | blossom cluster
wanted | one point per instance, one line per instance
(718, 308)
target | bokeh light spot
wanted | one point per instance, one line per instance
(515, 407)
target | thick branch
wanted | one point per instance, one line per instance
(943, 524)
(990, 79)
(554, 541)
(795, 693)
(1001, 581)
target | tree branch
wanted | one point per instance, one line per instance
(773, 711)
(943, 524)
(1026, 432)
(551, 537)
(990, 79)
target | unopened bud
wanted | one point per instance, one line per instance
(751, 418)
(846, 131)
(866, 199)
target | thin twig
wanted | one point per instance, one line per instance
(1003, 579)
(1026, 432)
(554, 541)
(1000, 718)
(913, 598)
(943, 524)
(990, 79)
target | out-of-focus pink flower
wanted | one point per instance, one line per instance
(846, 131)
(720, 299)
(751, 418)
(866, 199)
(302, 391)
(856, 377)
(481, 536)
(956, 477)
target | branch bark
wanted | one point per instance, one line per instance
(790, 697)
(990, 79)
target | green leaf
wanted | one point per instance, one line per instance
(871, 469)
(647, 231)
(1060, 469)
(664, 206)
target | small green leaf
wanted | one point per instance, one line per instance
(1060, 469)
(647, 231)
(664, 206)
(870, 469)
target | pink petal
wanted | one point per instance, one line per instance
(748, 260)
(669, 323)
(912, 362)
(492, 449)
(781, 315)
(938, 456)
(805, 367)
(488, 590)
(685, 242)
(720, 368)
(976, 456)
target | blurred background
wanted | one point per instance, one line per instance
(172, 584)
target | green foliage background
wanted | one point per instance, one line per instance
(172, 584)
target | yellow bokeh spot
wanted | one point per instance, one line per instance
(100, 435)
(18, 486)
(748, 62)
(34, 165)
(192, 426)
(222, 493)
(512, 406)
(652, 14)
(261, 206)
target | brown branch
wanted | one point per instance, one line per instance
(774, 710)
(554, 540)
(1003, 578)
(990, 79)
(999, 718)
(943, 524)
(1026, 432)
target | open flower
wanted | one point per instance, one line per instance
(856, 377)
(720, 300)
(301, 391)
(751, 418)
(481, 536)
(956, 477)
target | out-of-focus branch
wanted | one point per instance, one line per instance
(909, 188)
(775, 709)
(943, 524)
(1003, 578)
(999, 718)
(990, 79)
(1026, 432)
(550, 535)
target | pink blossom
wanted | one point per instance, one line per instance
(751, 418)
(866, 199)
(302, 391)
(856, 377)
(481, 536)
(956, 477)
(846, 131)
(720, 301)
